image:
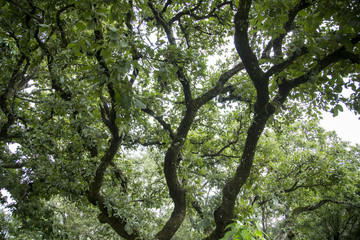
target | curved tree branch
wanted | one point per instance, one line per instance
(276, 43)
(223, 79)
(165, 125)
(299, 210)
(286, 63)
(109, 117)
(60, 24)
(241, 40)
(337, 55)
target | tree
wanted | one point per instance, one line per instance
(68, 220)
(85, 84)
(297, 174)
(333, 222)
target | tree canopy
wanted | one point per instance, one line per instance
(119, 107)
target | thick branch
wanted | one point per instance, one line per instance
(299, 210)
(224, 214)
(56, 85)
(335, 56)
(136, 55)
(287, 85)
(111, 113)
(167, 26)
(10, 91)
(118, 224)
(109, 118)
(296, 212)
(66, 95)
(172, 158)
(64, 41)
(167, 4)
(186, 87)
(176, 190)
(94, 189)
(160, 20)
(248, 57)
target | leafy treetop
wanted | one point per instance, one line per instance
(85, 83)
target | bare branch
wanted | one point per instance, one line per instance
(186, 12)
(191, 12)
(295, 186)
(216, 90)
(12, 165)
(286, 63)
(160, 120)
(195, 204)
(147, 143)
(276, 43)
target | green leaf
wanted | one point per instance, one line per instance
(258, 233)
(139, 104)
(81, 25)
(128, 229)
(91, 24)
(245, 234)
(113, 36)
(227, 235)
(123, 44)
(348, 45)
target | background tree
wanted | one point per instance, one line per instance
(87, 84)
(300, 172)
(68, 220)
(333, 222)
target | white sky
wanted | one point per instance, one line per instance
(346, 125)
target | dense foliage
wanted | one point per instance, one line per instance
(117, 109)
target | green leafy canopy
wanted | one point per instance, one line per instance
(117, 109)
